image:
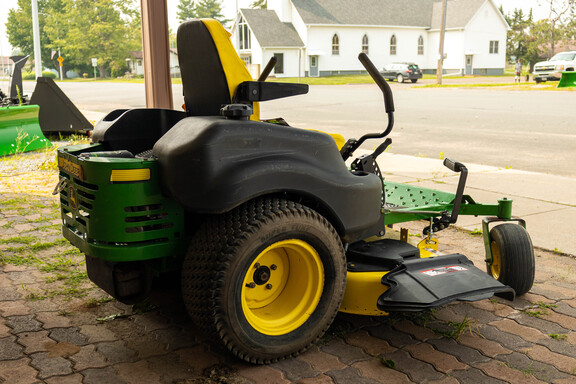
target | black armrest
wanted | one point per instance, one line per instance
(250, 91)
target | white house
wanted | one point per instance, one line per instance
(324, 37)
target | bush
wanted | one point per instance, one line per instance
(32, 75)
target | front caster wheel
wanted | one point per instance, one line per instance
(266, 278)
(513, 261)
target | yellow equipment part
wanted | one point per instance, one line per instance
(362, 292)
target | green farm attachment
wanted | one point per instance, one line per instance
(20, 130)
(568, 80)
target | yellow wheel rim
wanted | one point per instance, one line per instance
(282, 287)
(495, 266)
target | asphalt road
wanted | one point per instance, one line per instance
(528, 130)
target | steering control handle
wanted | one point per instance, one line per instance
(379, 80)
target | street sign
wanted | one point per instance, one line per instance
(94, 62)
(60, 59)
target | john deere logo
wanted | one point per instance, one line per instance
(73, 198)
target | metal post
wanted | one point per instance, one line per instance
(441, 48)
(36, 36)
(60, 64)
(155, 46)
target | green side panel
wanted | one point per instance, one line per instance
(567, 80)
(20, 130)
(117, 221)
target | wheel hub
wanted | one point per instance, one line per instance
(262, 275)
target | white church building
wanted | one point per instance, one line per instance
(324, 37)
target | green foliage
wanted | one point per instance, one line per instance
(259, 4)
(210, 9)
(80, 29)
(186, 10)
(32, 75)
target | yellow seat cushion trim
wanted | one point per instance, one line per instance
(234, 68)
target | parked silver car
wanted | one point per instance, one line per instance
(402, 72)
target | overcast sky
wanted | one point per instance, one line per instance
(540, 12)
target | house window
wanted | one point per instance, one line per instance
(494, 46)
(420, 45)
(243, 34)
(279, 67)
(393, 45)
(365, 44)
(335, 45)
(247, 59)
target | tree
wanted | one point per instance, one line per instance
(557, 16)
(259, 4)
(210, 9)
(19, 28)
(517, 39)
(186, 10)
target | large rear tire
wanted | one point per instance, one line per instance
(513, 261)
(267, 278)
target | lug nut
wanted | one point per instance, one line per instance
(257, 265)
(268, 286)
(273, 267)
(251, 285)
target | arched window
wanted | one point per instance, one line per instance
(365, 44)
(420, 45)
(335, 45)
(243, 34)
(393, 45)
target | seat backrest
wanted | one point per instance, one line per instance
(210, 67)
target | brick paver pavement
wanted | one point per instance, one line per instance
(50, 335)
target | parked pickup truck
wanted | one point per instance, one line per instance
(553, 68)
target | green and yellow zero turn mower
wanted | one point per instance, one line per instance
(271, 231)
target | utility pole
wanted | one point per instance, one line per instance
(441, 48)
(36, 36)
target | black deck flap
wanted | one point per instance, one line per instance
(426, 283)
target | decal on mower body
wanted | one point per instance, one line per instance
(443, 270)
(70, 167)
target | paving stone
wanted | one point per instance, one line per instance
(445, 380)
(542, 324)
(541, 371)
(24, 323)
(262, 374)
(62, 349)
(487, 347)
(320, 379)
(346, 353)
(416, 370)
(198, 357)
(137, 373)
(170, 368)
(26, 277)
(17, 371)
(35, 341)
(448, 315)
(571, 302)
(567, 322)
(9, 294)
(38, 306)
(463, 353)
(392, 337)
(501, 371)
(97, 333)
(507, 340)
(443, 362)
(371, 345)
(566, 309)
(69, 334)
(14, 268)
(511, 326)
(4, 329)
(416, 331)
(473, 314)
(321, 361)
(561, 346)
(52, 320)
(5, 282)
(146, 346)
(375, 370)
(152, 321)
(294, 369)
(50, 366)
(9, 349)
(473, 375)
(349, 375)
(175, 338)
(553, 292)
(116, 352)
(563, 363)
(106, 375)
(14, 308)
(75, 378)
(88, 357)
